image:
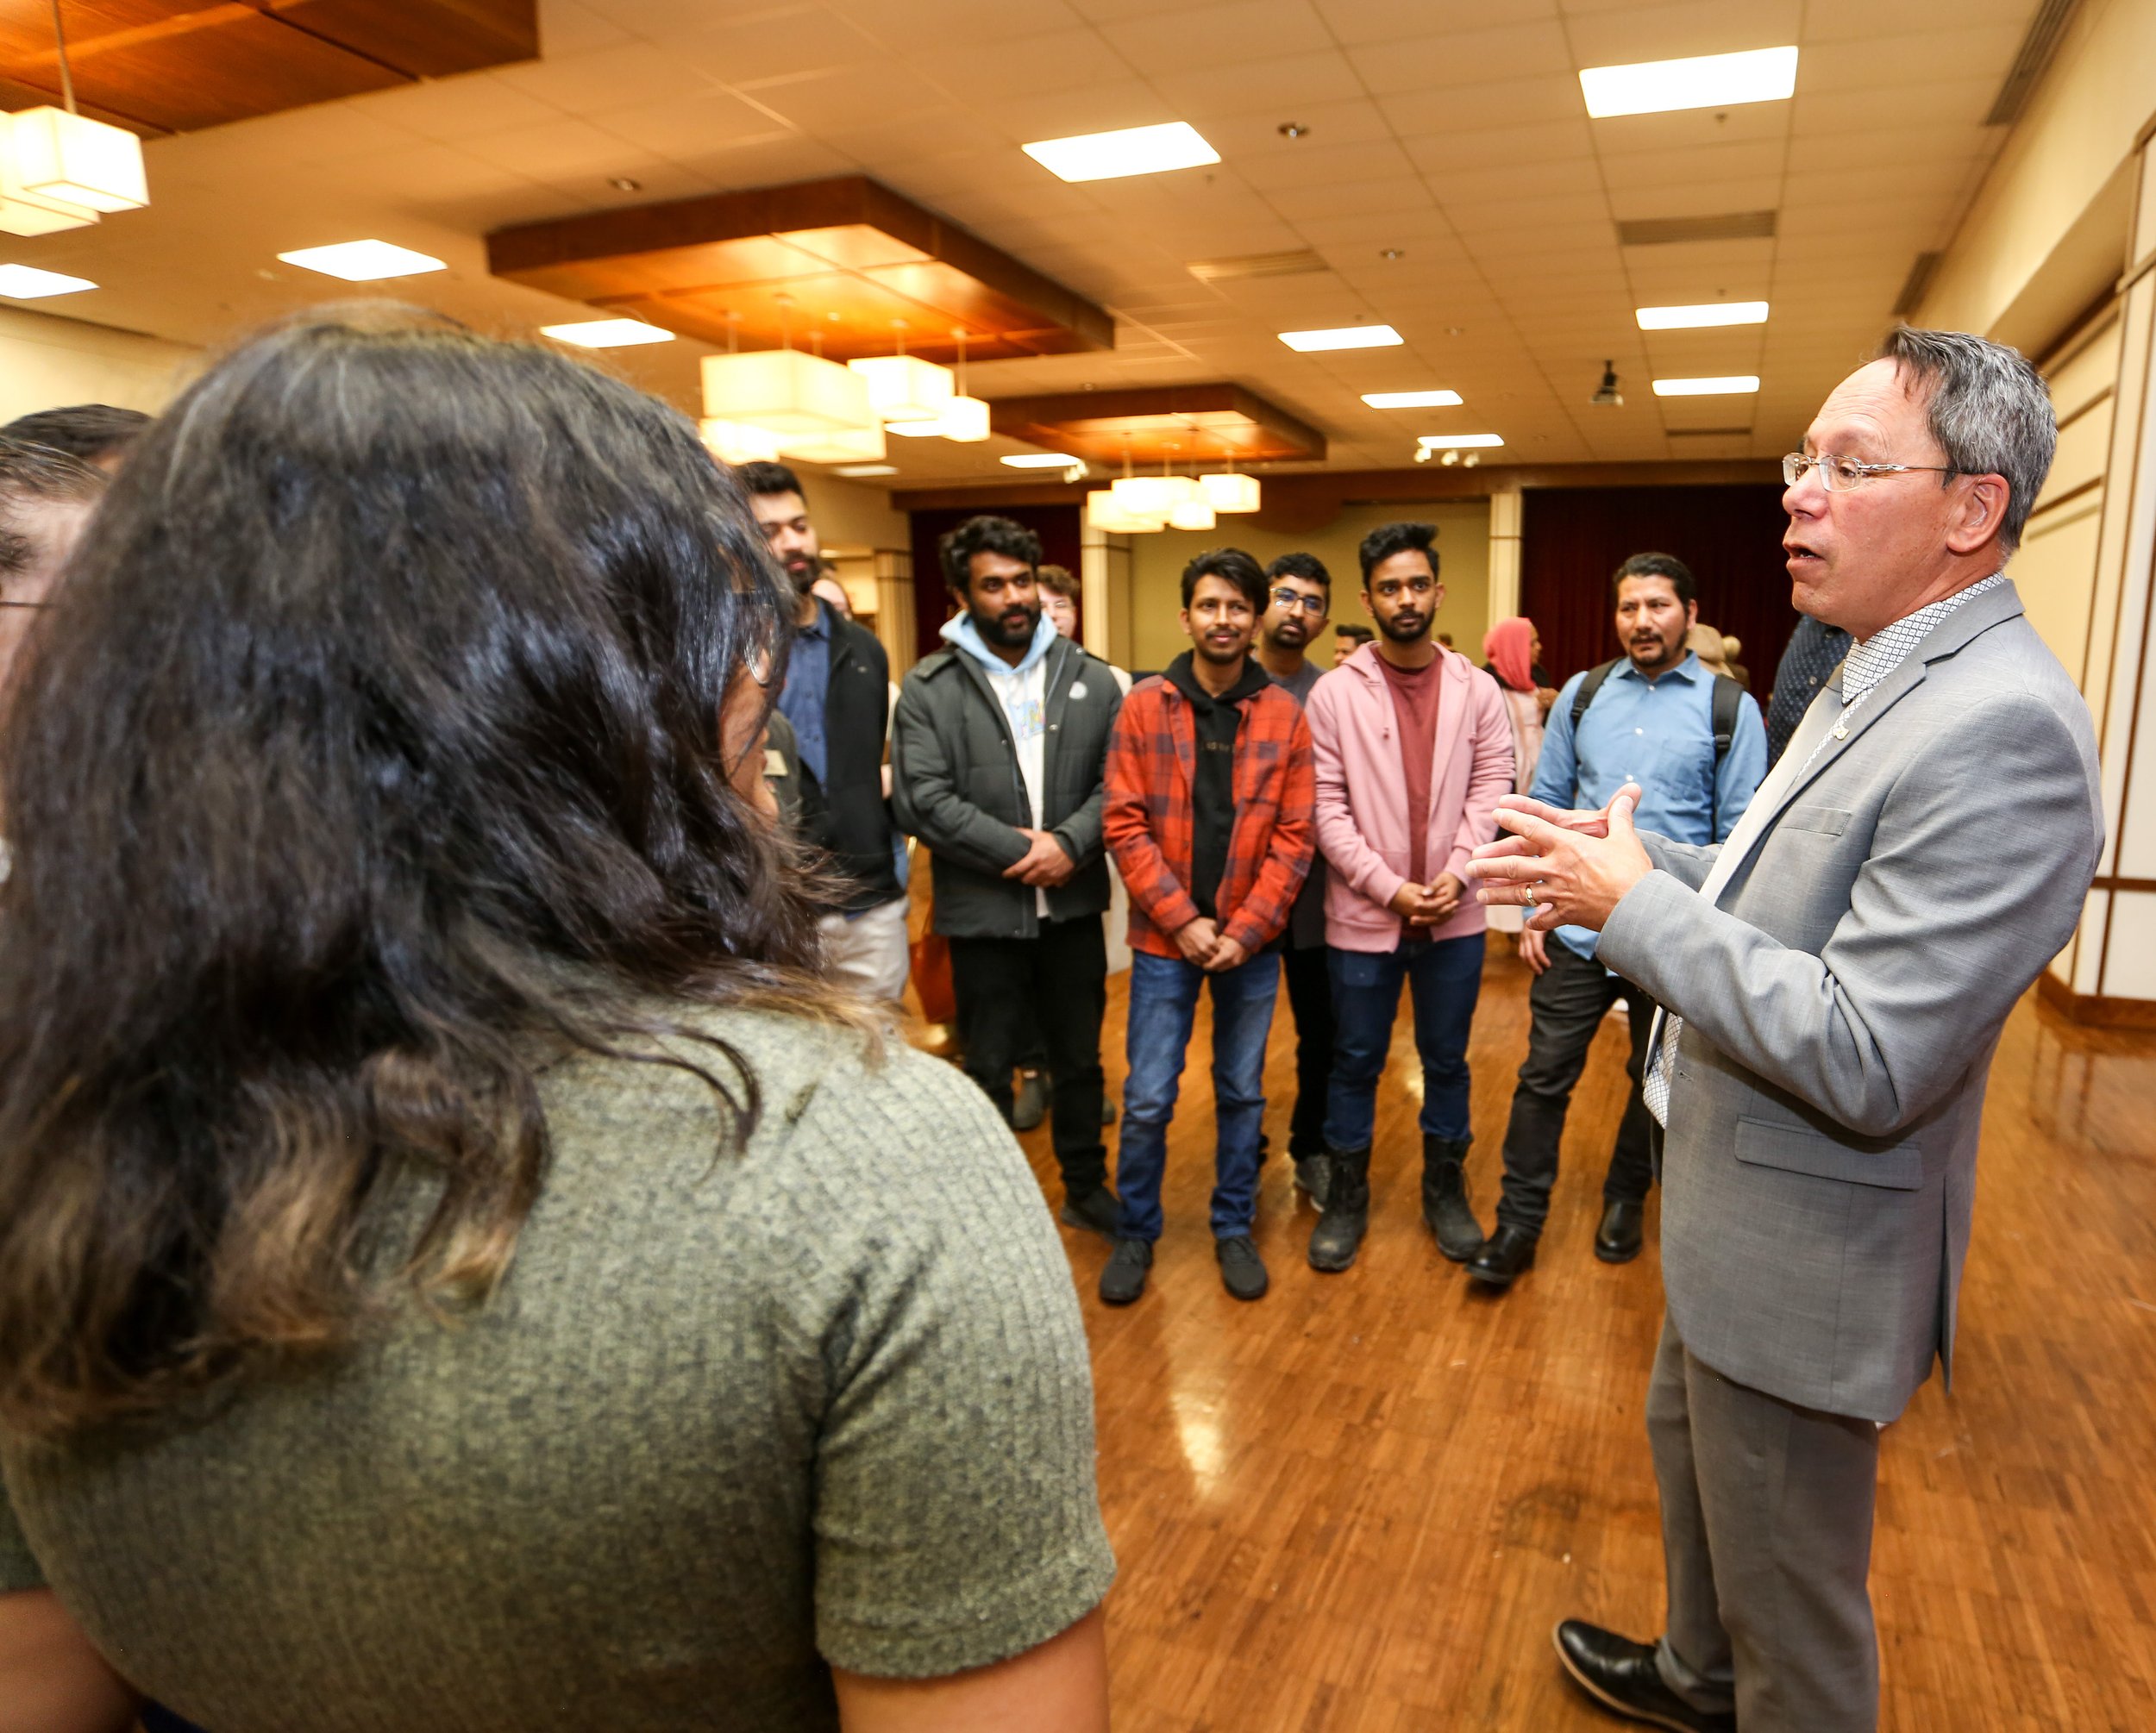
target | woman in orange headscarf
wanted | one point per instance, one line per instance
(1511, 648)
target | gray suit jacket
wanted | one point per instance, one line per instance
(1842, 1001)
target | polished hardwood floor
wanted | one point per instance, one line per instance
(1361, 1503)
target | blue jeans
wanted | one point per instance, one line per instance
(1445, 976)
(1163, 1004)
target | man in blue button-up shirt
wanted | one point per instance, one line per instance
(1650, 720)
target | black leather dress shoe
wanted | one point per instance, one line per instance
(1620, 1675)
(1617, 1240)
(1505, 1255)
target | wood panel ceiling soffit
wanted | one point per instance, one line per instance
(178, 66)
(1194, 425)
(843, 266)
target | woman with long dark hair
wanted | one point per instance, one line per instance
(460, 1264)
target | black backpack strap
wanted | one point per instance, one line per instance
(1590, 686)
(1728, 695)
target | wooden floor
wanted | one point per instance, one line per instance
(1361, 1503)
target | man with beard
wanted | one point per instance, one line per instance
(1695, 742)
(1208, 816)
(837, 700)
(1299, 597)
(1413, 750)
(997, 753)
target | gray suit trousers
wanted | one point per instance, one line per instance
(1766, 1533)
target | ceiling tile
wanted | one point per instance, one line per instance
(1055, 62)
(1277, 87)
(1527, 49)
(1394, 192)
(606, 77)
(1936, 57)
(1320, 164)
(1181, 37)
(689, 127)
(1471, 107)
(1633, 170)
(1669, 33)
(1521, 181)
(1392, 20)
(1698, 199)
(1561, 141)
(744, 50)
(839, 98)
(976, 21)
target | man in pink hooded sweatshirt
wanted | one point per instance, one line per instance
(1412, 749)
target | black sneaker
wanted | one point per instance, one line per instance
(1241, 1271)
(1124, 1279)
(1097, 1212)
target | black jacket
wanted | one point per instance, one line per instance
(846, 813)
(956, 785)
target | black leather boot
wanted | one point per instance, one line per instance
(1504, 1256)
(1444, 1204)
(1339, 1234)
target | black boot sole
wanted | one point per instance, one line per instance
(1646, 1718)
(1613, 1255)
(1500, 1283)
(1459, 1257)
(1336, 1269)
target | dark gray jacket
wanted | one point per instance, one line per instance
(956, 785)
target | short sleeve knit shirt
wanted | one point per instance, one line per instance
(731, 1419)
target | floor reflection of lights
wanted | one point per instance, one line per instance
(1198, 1431)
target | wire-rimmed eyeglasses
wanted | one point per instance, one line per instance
(1844, 474)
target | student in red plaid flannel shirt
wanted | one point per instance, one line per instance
(1208, 812)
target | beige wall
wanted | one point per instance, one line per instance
(47, 362)
(851, 519)
(1158, 562)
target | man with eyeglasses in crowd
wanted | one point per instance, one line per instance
(1299, 598)
(837, 700)
(997, 753)
(1693, 741)
(1834, 978)
(1412, 749)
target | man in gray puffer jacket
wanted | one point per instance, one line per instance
(997, 753)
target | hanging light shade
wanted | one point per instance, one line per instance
(837, 445)
(82, 162)
(739, 442)
(1192, 514)
(905, 388)
(786, 392)
(1103, 511)
(24, 211)
(964, 420)
(1154, 496)
(1231, 492)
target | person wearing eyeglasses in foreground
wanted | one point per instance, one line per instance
(1835, 977)
(463, 1263)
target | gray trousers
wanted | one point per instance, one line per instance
(1766, 1538)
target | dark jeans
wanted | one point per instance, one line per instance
(1064, 976)
(1163, 1005)
(1444, 979)
(1310, 1001)
(1567, 1001)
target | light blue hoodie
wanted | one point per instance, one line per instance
(1008, 682)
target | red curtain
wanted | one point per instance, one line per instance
(1731, 536)
(1056, 526)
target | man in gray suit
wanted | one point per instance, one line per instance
(1836, 974)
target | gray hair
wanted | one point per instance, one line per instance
(1989, 411)
(38, 472)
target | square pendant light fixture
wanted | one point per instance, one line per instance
(1459, 442)
(861, 472)
(1703, 81)
(739, 441)
(606, 334)
(789, 393)
(1131, 150)
(1191, 515)
(1104, 513)
(1041, 459)
(1701, 317)
(964, 420)
(1343, 337)
(79, 161)
(840, 445)
(27, 283)
(1154, 496)
(1228, 493)
(23, 215)
(905, 388)
(363, 261)
(1411, 400)
(1727, 385)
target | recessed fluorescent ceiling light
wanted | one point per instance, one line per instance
(1041, 459)
(1707, 81)
(1411, 400)
(1691, 318)
(27, 283)
(1134, 150)
(1729, 385)
(606, 334)
(363, 261)
(1460, 441)
(856, 471)
(1343, 337)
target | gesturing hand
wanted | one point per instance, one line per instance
(1568, 876)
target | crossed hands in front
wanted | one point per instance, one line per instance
(1046, 862)
(1202, 942)
(1431, 904)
